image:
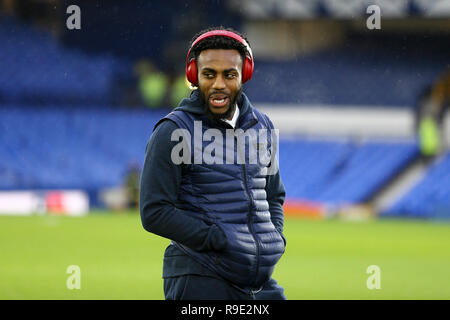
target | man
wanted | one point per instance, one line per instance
(224, 217)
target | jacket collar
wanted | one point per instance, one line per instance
(247, 117)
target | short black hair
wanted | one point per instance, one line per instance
(219, 42)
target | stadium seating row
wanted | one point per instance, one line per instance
(51, 148)
(430, 197)
(337, 172)
(37, 69)
(92, 149)
(360, 74)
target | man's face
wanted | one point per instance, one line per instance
(220, 80)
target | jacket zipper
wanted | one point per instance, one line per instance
(249, 222)
(250, 226)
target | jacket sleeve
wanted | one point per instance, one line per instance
(275, 197)
(159, 186)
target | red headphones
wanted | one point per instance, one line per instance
(191, 65)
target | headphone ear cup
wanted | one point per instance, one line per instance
(191, 72)
(247, 70)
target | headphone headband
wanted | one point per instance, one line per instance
(223, 33)
(248, 64)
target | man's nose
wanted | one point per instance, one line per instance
(219, 84)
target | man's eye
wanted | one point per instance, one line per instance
(208, 75)
(231, 76)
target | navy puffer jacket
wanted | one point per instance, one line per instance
(231, 197)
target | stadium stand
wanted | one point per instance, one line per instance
(430, 197)
(91, 149)
(80, 137)
(78, 148)
(36, 69)
(361, 72)
(341, 171)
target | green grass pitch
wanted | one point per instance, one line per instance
(118, 259)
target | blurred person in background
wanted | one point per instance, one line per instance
(432, 106)
(440, 101)
(225, 220)
(178, 90)
(132, 185)
(152, 83)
